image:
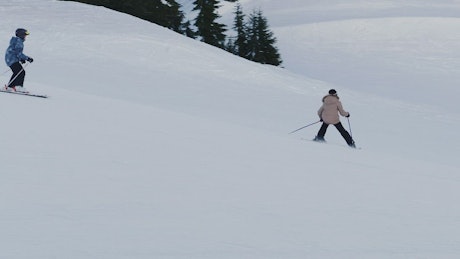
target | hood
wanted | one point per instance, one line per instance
(328, 99)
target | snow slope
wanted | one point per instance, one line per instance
(153, 145)
(371, 46)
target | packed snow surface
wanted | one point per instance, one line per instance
(154, 145)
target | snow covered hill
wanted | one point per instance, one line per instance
(153, 145)
(371, 46)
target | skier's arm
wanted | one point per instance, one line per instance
(320, 112)
(341, 110)
(18, 48)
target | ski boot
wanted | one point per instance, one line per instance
(319, 139)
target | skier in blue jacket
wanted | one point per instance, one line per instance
(14, 57)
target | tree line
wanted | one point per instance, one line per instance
(254, 40)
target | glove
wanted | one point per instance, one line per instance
(22, 61)
(30, 60)
(348, 115)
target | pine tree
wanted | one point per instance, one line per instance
(230, 46)
(188, 31)
(241, 41)
(262, 41)
(208, 29)
(166, 13)
(175, 17)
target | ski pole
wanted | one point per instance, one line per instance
(14, 78)
(305, 126)
(349, 126)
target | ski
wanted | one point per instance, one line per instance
(335, 144)
(24, 93)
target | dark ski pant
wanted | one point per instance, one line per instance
(17, 79)
(340, 128)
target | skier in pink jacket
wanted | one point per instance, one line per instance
(329, 114)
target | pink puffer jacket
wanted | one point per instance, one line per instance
(330, 109)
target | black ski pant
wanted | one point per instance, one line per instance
(340, 128)
(17, 79)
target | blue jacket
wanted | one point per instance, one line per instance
(14, 52)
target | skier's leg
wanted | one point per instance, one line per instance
(321, 132)
(344, 134)
(17, 79)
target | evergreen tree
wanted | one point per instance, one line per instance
(231, 47)
(166, 13)
(253, 40)
(241, 42)
(188, 31)
(262, 41)
(208, 29)
(175, 17)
